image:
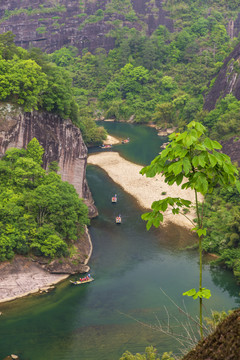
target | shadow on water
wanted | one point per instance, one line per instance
(130, 266)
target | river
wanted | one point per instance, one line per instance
(99, 321)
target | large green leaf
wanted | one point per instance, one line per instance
(191, 292)
(212, 159)
(187, 166)
(216, 144)
(179, 179)
(177, 168)
(208, 143)
(202, 159)
(195, 161)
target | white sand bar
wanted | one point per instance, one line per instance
(145, 190)
(111, 140)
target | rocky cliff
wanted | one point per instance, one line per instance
(227, 81)
(51, 24)
(223, 344)
(61, 140)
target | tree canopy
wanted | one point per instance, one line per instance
(39, 213)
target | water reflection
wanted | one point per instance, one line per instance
(223, 279)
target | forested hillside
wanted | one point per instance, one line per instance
(40, 214)
(163, 77)
(160, 74)
(30, 79)
(158, 62)
(51, 24)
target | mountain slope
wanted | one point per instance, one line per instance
(52, 24)
(227, 81)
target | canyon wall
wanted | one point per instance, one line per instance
(61, 140)
(227, 81)
(51, 24)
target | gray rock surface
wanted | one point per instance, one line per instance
(61, 140)
(227, 81)
(50, 31)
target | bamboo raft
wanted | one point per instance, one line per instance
(78, 282)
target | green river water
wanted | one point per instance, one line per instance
(98, 321)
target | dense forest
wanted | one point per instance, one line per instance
(30, 79)
(39, 213)
(161, 79)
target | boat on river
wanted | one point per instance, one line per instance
(118, 219)
(125, 141)
(114, 199)
(105, 146)
(82, 281)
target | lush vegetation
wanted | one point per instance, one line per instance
(222, 222)
(162, 79)
(194, 161)
(150, 354)
(42, 9)
(30, 79)
(39, 213)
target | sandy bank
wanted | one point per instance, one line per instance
(145, 190)
(111, 140)
(22, 276)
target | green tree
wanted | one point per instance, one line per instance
(168, 83)
(39, 212)
(200, 27)
(164, 114)
(7, 45)
(64, 56)
(35, 151)
(190, 159)
(47, 243)
(53, 166)
(23, 81)
(132, 79)
(92, 133)
(150, 354)
(27, 173)
(58, 97)
(56, 202)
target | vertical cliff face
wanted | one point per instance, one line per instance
(52, 24)
(61, 140)
(227, 81)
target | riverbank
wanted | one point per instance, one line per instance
(144, 190)
(111, 140)
(24, 276)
